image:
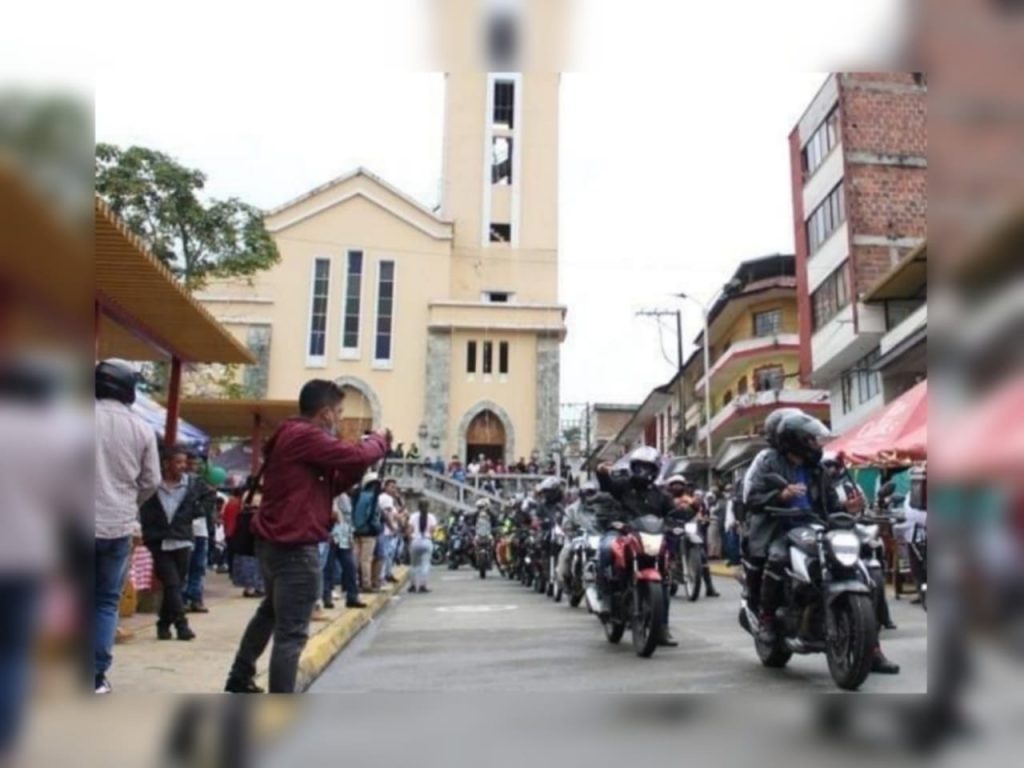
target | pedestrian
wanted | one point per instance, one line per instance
(245, 567)
(341, 535)
(218, 560)
(167, 533)
(387, 543)
(367, 528)
(716, 512)
(421, 547)
(127, 472)
(305, 467)
(199, 559)
(414, 453)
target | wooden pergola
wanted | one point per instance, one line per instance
(238, 418)
(143, 313)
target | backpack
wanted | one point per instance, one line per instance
(366, 518)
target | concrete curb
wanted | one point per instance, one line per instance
(726, 571)
(325, 645)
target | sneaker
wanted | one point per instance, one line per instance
(185, 632)
(881, 665)
(356, 604)
(329, 605)
(413, 588)
(197, 608)
(163, 632)
(667, 640)
(319, 615)
(102, 684)
(424, 590)
(234, 685)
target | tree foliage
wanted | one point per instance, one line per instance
(159, 200)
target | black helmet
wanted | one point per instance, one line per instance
(772, 422)
(644, 466)
(803, 436)
(115, 381)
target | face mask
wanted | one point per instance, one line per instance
(677, 492)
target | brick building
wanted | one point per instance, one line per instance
(859, 173)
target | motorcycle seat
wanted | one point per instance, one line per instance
(805, 539)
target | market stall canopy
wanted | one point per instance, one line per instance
(156, 416)
(221, 417)
(144, 313)
(880, 439)
(986, 442)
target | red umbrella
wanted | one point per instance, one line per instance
(987, 441)
(895, 434)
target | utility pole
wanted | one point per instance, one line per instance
(681, 403)
(587, 461)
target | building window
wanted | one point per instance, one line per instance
(504, 104)
(846, 385)
(497, 297)
(824, 138)
(318, 310)
(501, 160)
(768, 323)
(869, 382)
(385, 312)
(488, 357)
(503, 357)
(353, 292)
(741, 386)
(826, 218)
(471, 357)
(831, 297)
(769, 378)
(501, 233)
(727, 398)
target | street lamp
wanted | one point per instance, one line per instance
(729, 289)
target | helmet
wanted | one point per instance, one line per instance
(369, 478)
(115, 380)
(772, 422)
(551, 489)
(589, 489)
(483, 504)
(802, 435)
(677, 480)
(643, 466)
(831, 460)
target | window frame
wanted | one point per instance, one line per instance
(826, 219)
(776, 312)
(496, 181)
(313, 360)
(487, 358)
(347, 352)
(777, 368)
(504, 354)
(471, 357)
(837, 282)
(510, 125)
(380, 363)
(825, 138)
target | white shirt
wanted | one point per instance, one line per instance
(414, 524)
(127, 468)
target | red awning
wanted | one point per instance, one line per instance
(895, 435)
(987, 441)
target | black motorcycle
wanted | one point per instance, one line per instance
(582, 566)
(483, 548)
(828, 606)
(458, 548)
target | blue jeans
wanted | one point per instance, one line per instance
(731, 547)
(331, 571)
(19, 604)
(349, 574)
(193, 591)
(388, 549)
(112, 557)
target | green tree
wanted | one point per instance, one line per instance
(159, 200)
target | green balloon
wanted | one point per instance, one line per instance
(216, 475)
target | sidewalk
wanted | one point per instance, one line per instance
(144, 664)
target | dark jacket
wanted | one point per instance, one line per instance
(651, 501)
(306, 468)
(200, 500)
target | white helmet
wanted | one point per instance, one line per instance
(644, 465)
(483, 503)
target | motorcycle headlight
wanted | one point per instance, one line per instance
(651, 543)
(845, 547)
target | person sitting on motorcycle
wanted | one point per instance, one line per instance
(638, 496)
(550, 495)
(483, 521)
(681, 489)
(579, 520)
(796, 458)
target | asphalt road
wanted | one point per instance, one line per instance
(493, 635)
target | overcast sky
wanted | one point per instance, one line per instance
(674, 125)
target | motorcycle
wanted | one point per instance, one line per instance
(504, 550)
(527, 547)
(828, 605)
(582, 566)
(685, 570)
(636, 588)
(440, 551)
(483, 549)
(555, 588)
(458, 549)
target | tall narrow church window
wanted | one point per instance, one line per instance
(471, 357)
(504, 104)
(318, 311)
(501, 233)
(353, 293)
(488, 357)
(385, 312)
(501, 160)
(503, 357)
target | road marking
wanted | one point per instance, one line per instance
(476, 608)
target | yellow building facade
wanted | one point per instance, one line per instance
(443, 325)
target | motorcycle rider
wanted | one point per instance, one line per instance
(681, 491)
(796, 457)
(580, 519)
(550, 494)
(638, 496)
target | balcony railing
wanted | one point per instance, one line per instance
(777, 397)
(749, 347)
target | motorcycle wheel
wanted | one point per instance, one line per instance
(648, 618)
(483, 569)
(437, 556)
(772, 656)
(559, 591)
(693, 574)
(575, 598)
(613, 630)
(452, 565)
(850, 649)
(549, 589)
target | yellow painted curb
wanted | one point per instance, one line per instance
(727, 571)
(325, 645)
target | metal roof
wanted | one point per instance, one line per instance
(221, 417)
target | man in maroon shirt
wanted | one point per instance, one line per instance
(306, 467)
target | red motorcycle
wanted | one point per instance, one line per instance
(637, 598)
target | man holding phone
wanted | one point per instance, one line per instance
(306, 467)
